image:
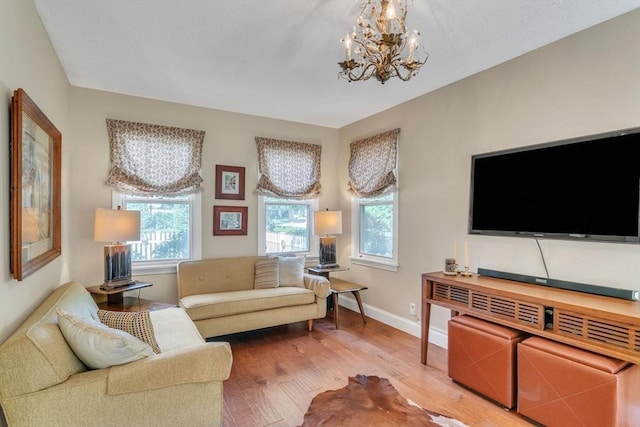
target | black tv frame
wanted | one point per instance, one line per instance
(551, 235)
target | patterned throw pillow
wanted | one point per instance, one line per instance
(136, 323)
(266, 275)
(291, 271)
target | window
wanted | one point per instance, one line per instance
(285, 226)
(374, 232)
(156, 170)
(169, 230)
(372, 181)
(289, 184)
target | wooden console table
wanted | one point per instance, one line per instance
(604, 325)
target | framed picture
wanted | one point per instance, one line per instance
(229, 182)
(230, 220)
(35, 224)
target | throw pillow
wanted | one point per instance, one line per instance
(136, 323)
(291, 271)
(266, 275)
(99, 346)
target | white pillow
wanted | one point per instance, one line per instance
(291, 271)
(99, 346)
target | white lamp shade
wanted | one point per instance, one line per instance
(113, 225)
(327, 222)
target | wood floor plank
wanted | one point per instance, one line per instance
(277, 371)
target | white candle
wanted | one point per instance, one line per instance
(466, 254)
(455, 251)
(347, 47)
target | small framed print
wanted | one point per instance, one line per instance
(229, 182)
(230, 220)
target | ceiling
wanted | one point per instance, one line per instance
(278, 58)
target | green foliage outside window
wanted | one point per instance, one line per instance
(163, 230)
(376, 235)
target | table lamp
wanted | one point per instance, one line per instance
(118, 227)
(326, 224)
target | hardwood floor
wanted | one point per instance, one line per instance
(277, 371)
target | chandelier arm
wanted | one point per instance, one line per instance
(362, 76)
(399, 75)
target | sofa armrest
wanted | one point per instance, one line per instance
(195, 364)
(318, 284)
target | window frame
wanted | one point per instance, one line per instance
(195, 236)
(357, 257)
(314, 242)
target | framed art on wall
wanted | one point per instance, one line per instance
(229, 182)
(230, 220)
(35, 224)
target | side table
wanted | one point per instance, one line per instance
(116, 301)
(339, 286)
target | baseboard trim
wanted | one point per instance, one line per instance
(437, 336)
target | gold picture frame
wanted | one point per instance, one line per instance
(36, 157)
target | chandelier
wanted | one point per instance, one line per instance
(381, 42)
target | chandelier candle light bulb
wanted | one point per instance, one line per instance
(391, 11)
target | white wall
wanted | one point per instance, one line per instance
(582, 85)
(28, 61)
(229, 140)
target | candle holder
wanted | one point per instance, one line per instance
(466, 272)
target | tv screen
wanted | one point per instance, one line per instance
(584, 188)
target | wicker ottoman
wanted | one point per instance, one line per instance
(560, 385)
(482, 357)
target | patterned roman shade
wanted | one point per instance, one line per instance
(372, 164)
(288, 169)
(152, 159)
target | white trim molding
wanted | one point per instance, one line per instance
(437, 336)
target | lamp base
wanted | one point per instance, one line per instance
(112, 284)
(117, 266)
(331, 265)
(327, 258)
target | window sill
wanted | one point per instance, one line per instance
(374, 263)
(151, 269)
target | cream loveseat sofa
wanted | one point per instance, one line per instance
(220, 296)
(43, 383)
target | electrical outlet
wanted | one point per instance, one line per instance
(412, 308)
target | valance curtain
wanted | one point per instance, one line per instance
(372, 164)
(152, 159)
(288, 169)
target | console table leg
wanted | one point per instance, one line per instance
(426, 319)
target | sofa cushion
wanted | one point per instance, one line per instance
(99, 346)
(174, 329)
(291, 271)
(266, 275)
(206, 306)
(215, 275)
(136, 323)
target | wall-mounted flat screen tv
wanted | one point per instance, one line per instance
(584, 188)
